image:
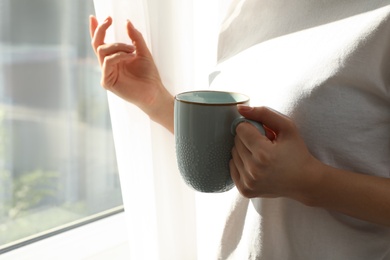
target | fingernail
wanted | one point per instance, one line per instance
(131, 24)
(244, 108)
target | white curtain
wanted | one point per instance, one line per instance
(165, 218)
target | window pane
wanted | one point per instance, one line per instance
(57, 159)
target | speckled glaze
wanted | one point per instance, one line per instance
(203, 123)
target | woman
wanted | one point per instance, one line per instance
(321, 188)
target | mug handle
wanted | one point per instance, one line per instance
(242, 119)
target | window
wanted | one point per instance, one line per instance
(57, 158)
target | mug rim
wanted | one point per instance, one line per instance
(177, 98)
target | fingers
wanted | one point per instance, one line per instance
(236, 167)
(107, 50)
(261, 167)
(138, 40)
(239, 153)
(239, 180)
(102, 50)
(251, 138)
(98, 32)
(109, 72)
(241, 170)
(279, 123)
(93, 24)
(269, 133)
(234, 172)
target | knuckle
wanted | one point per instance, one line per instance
(256, 179)
(246, 192)
(239, 130)
(107, 60)
(100, 49)
(262, 109)
(252, 169)
(103, 83)
(251, 185)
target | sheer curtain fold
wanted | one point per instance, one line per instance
(165, 218)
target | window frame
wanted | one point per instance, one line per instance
(86, 238)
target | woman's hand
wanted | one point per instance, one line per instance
(130, 72)
(264, 168)
(284, 167)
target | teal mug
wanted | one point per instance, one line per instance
(204, 127)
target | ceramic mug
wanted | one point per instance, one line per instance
(204, 127)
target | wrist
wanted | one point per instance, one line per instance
(311, 187)
(161, 109)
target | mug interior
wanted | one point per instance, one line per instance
(212, 97)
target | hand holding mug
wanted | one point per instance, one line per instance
(262, 167)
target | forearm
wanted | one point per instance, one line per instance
(357, 195)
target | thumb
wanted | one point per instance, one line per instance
(138, 40)
(276, 122)
(93, 24)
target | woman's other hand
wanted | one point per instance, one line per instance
(129, 72)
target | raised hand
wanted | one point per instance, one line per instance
(130, 72)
